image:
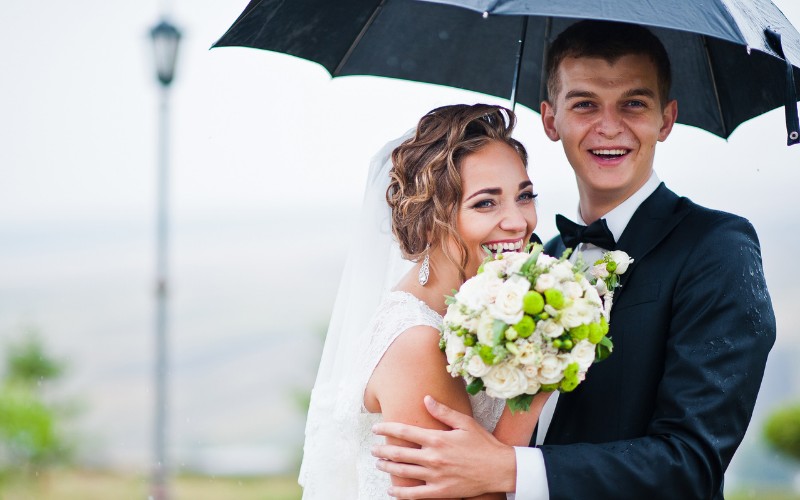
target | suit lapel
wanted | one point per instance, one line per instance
(655, 218)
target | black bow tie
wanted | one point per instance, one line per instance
(596, 233)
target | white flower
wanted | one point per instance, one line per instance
(505, 381)
(599, 271)
(455, 316)
(485, 329)
(476, 367)
(544, 260)
(476, 292)
(601, 287)
(529, 354)
(592, 295)
(545, 282)
(549, 328)
(455, 348)
(583, 353)
(514, 261)
(533, 386)
(551, 371)
(622, 259)
(563, 271)
(496, 267)
(571, 290)
(581, 312)
(507, 306)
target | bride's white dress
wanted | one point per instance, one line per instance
(398, 312)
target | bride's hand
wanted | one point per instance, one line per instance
(450, 462)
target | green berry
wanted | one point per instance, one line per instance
(557, 343)
(567, 345)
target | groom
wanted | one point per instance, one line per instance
(692, 323)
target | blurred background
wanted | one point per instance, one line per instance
(267, 166)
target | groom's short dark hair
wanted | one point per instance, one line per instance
(609, 41)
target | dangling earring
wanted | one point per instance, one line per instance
(425, 269)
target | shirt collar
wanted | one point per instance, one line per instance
(618, 218)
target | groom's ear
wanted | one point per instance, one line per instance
(548, 113)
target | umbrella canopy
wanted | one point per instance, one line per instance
(732, 60)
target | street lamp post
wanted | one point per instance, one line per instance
(165, 39)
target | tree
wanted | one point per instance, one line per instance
(782, 431)
(30, 430)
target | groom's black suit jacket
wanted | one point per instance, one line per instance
(692, 325)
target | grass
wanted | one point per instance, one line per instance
(70, 484)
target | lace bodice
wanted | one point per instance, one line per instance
(398, 312)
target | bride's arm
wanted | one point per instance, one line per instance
(412, 367)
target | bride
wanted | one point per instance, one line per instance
(457, 187)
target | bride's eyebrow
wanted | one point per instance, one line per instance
(524, 184)
(492, 191)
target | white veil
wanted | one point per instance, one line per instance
(373, 266)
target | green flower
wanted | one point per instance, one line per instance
(533, 302)
(595, 334)
(580, 332)
(568, 384)
(554, 297)
(525, 326)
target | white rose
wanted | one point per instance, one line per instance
(580, 312)
(622, 259)
(454, 347)
(549, 329)
(551, 371)
(601, 287)
(504, 382)
(474, 293)
(545, 282)
(529, 354)
(514, 261)
(599, 271)
(544, 260)
(496, 267)
(563, 271)
(592, 295)
(485, 329)
(507, 306)
(583, 353)
(455, 316)
(533, 386)
(476, 367)
(571, 290)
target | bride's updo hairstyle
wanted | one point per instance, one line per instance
(425, 180)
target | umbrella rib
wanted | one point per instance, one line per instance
(518, 62)
(714, 87)
(357, 40)
(548, 26)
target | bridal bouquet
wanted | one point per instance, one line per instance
(529, 322)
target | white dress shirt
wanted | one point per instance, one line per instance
(531, 473)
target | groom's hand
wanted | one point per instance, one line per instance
(463, 462)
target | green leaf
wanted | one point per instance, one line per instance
(498, 331)
(604, 348)
(531, 260)
(449, 300)
(520, 403)
(475, 386)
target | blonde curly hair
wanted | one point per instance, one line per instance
(424, 191)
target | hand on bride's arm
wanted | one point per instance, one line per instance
(462, 462)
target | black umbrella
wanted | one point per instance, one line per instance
(732, 60)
